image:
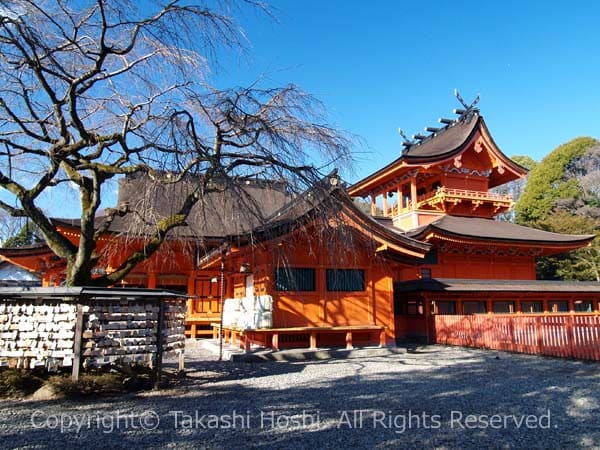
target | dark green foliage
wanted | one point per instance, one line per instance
(27, 235)
(526, 161)
(88, 384)
(582, 264)
(18, 383)
(547, 182)
(563, 195)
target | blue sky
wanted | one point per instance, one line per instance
(381, 65)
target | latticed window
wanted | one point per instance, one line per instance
(345, 280)
(295, 279)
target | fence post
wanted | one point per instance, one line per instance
(538, 335)
(159, 343)
(77, 344)
(570, 336)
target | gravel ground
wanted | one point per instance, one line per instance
(432, 397)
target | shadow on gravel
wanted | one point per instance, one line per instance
(419, 399)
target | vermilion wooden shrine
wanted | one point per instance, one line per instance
(430, 248)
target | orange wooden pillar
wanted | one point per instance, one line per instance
(247, 342)
(152, 280)
(427, 317)
(275, 341)
(385, 204)
(413, 200)
(373, 205)
(382, 338)
(313, 341)
(191, 291)
(349, 345)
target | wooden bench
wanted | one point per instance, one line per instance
(199, 327)
(247, 337)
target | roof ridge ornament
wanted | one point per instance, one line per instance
(407, 142)
(464, 114)
(467, 108)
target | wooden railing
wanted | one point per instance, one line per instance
(443, 193)
(563, 335)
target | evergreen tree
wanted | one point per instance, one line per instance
(27, 235)
(563, 195)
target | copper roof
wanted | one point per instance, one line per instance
(489, 229)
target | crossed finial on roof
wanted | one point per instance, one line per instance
(418, 138)
(462, 101)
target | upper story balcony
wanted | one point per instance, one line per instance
(446, 195)
(461, 201)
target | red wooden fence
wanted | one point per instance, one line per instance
(564, 335)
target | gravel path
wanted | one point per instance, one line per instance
(433, 397)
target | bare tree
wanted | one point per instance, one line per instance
(94, 90)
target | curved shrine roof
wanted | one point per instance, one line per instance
(444, 144)
(489, 229)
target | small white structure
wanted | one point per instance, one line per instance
(248, 312)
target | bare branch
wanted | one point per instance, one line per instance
(102, 90)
